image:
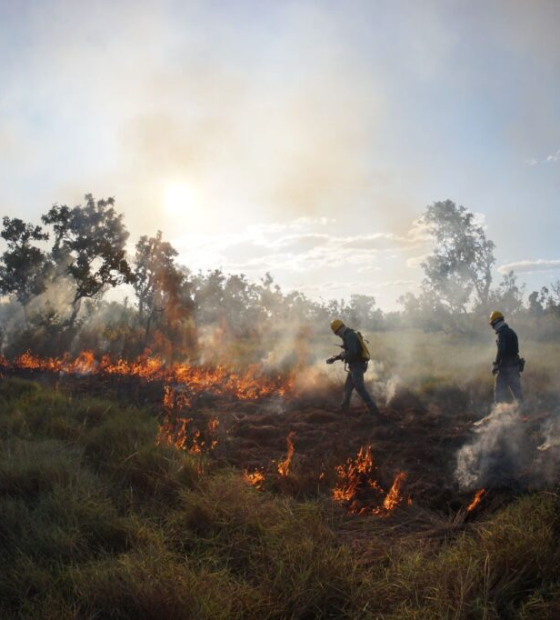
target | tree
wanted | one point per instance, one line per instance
(209, 297)
(509, 296)
(157, 280)
(24, 268)
(555, 293)
(361, 312)
(463, 257)
(535, 307)
(89, 247)
(424, 311)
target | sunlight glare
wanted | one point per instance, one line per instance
(179, 198)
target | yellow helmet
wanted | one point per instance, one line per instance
(336, 325)
(495, 316)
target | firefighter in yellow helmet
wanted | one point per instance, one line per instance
(356, 355)
(508, 365)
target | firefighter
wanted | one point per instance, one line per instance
(356, 356)
(508, 364)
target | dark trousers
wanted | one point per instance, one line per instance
(508, 379)
(355, 380)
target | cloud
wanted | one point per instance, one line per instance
(312, 244)
(531, 266)
(414, 262)
(554, 158)
(355, 286)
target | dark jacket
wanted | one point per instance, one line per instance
(508, 347)
(352, 347)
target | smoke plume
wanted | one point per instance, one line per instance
(498, 452)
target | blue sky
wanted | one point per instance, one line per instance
(301, 137)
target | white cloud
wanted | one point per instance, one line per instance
(530, 266)
(355, 286)
(311, 244)
(554, 158)
(414, 262)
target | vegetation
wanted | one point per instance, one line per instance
(99, 521)
(54, 295)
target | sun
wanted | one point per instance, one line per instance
(179, 198)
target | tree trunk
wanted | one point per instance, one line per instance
(147, 333)
(76, 305)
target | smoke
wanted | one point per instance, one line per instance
(507, 450)
(498, 453)
(548, 458)
(384, 384)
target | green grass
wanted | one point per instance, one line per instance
(97, 521)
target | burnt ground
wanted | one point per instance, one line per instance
(408, 436)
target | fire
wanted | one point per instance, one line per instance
(174, 398)
(358, 487)
(284, 466)
(255, 478)
(394, 497)
(476, 500)
(188, 380)
(357, 473)
(173, 432)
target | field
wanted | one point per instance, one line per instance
(116, 506)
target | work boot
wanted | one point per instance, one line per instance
(374, 411)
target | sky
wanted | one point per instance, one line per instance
(303, 138)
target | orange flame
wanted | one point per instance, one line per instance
(284, 466)
(188, 379)
(173, 432)
(394, 497)
(255, 478)
(358, 488)
(356, 473)
(476, 500)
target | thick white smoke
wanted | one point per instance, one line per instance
(498, 452)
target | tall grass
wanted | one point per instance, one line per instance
(97, 521)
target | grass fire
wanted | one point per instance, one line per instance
(279, 310)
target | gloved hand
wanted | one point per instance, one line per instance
(331, 360)
(495, 369)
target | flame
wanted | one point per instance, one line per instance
(394, 497)
(284, 466)
(175, 399)
(358, 488)
(173, 432)
(476, 500)
(255, 478)
(356, 473)
(189, 380)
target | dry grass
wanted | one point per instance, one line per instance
(99, 522)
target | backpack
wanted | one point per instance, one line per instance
(365, 351)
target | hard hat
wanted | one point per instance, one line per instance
(336, 325)
(495, 316)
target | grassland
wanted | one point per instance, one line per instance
(97, 521)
